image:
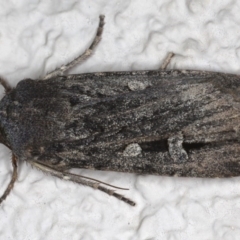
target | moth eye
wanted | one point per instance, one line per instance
(132, 150)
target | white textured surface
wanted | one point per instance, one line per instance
(36, 36)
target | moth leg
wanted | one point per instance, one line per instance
(176, 150)
(60, 71)
(79, 179)
(167, 61)
(13, 180)
(5, 84)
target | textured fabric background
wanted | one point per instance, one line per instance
(37, 36)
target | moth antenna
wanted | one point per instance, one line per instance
(13, 180)
(116, 195)
(96, 180)
(77, 179)
(60, 71)
(167, 61)
(5, 84)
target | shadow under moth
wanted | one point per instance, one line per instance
(165, 122)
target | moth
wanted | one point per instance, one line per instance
(166, 122)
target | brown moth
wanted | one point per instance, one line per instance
(164, 122)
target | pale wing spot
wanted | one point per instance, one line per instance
(132, 150)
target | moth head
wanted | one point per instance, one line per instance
(3, 140)
(8, 89)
